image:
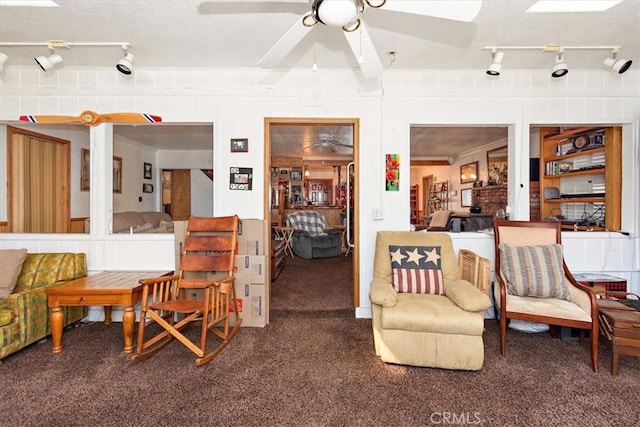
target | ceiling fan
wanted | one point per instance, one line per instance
(326, 142)
(348, 15)
(90, 118)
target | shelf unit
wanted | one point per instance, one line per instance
(439, 196)
(595, 170)
(414, 208)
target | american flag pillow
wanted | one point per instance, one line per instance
(416, 269)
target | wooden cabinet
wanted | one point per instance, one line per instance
(581, 177)
(414, 209)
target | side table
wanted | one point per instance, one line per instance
(620, 325)
(286, 234)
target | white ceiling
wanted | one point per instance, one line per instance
(238, 34)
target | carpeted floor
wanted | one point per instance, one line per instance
(312, 370)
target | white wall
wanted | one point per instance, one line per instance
(237, 102)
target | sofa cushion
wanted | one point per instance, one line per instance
(416, 269)
(10, 266)
(534, 271)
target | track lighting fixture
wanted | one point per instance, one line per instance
(49, 62)
(54, 60)
(560, 67)
(496, 63)
(125, 65)
(617, 65)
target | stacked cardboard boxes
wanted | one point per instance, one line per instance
(252, 270)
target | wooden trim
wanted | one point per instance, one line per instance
(430, 163)
(355, 122)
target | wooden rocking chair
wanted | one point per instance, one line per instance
(206, 267)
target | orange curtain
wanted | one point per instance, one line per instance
(38, 183)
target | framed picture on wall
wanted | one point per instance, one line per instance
(147, 170)
(466, 197)
(85, 171)
(240, 178)
(469, 173)
(239, 145)
(117, 174)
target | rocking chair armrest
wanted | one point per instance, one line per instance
(160, 279)
(201, 284)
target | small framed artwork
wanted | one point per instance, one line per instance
(296, 175)
(147, 170)
(240, 178)
(469, 173)
(465, 197)
(239, 145)
(84, 169)
(147, 188)
(117, 174)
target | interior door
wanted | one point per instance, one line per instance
(180, 194)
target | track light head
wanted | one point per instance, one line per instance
(560, 68)
(617, 65)
(496, 64)
(125, 64)
(49, 62)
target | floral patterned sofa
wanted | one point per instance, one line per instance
(24, 317)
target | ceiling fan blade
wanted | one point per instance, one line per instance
(340, 143)
(287, 42)
(457, 10)
(50, 119)
(364, 51)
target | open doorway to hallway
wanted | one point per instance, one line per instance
(301, 152)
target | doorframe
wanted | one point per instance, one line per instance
(355, 122)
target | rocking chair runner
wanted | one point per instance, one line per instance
(207, 264)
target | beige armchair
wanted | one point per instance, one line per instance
(442, 329)
(534, 283)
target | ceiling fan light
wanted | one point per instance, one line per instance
(496, 65)
(559, 68)
(618, 65)
(337, 13)
(49, 62)
(125, 65)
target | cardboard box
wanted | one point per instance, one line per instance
(252, 237)
(180, 232)
(252, 269)
(252, 304)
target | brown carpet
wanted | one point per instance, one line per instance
(312, 370)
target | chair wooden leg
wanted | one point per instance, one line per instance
(503, 333)
(210, 356)
(595, 337)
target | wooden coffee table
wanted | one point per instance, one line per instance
(620, 325)
(108, 288)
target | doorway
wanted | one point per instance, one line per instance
(176, 193)
(322, 142)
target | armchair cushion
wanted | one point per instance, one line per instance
(466, 296)
(416, 269)
(534, 271)
(10, 265)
